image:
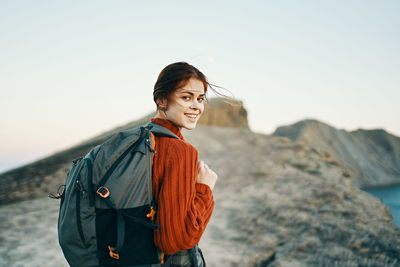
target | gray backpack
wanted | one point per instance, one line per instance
(107, 210)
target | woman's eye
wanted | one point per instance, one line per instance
(186, 97)
(200, 99)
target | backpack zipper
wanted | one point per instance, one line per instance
(89, 182)
(78, 210)
(150, 168)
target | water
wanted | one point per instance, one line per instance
(391, 197)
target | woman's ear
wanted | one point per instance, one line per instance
(162, 103)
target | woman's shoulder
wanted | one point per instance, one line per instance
(176, 145)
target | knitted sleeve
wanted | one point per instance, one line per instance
(184, 206)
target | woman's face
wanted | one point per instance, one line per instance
(185, 105)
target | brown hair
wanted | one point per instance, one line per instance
(176, 75)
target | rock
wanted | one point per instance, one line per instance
(224, 114)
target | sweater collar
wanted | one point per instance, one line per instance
(169, 125)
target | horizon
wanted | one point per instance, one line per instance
(70, 70)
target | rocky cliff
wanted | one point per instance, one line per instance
(370, 157)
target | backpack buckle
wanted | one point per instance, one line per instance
(112, 253)
(103, 192)
(151, 213)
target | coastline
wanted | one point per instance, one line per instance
(390, 196)
(371, 187)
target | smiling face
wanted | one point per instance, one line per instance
(184, 106)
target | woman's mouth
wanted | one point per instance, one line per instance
(192, 116)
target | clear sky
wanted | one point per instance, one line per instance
(72, 69)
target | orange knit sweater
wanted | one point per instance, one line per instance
(184, 206)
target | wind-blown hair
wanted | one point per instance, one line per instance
(175, 76)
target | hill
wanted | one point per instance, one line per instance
(370, 157)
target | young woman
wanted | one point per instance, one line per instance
(182, 184)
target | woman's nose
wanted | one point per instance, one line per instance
(195, 104)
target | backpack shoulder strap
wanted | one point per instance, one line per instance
(158, 129)
(153, 145)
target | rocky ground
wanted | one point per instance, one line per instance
(28, 235)
(280, 203)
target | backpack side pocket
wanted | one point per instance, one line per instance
(76, 224)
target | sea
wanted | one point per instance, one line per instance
(390, 196)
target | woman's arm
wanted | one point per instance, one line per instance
(184, 206)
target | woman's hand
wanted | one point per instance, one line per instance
(206, 175)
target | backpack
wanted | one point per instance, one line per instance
(107, 210)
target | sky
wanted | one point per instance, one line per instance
(70, 70)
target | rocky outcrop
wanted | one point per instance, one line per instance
(224, 113)
(370, 157)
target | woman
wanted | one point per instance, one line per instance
(182, 185)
